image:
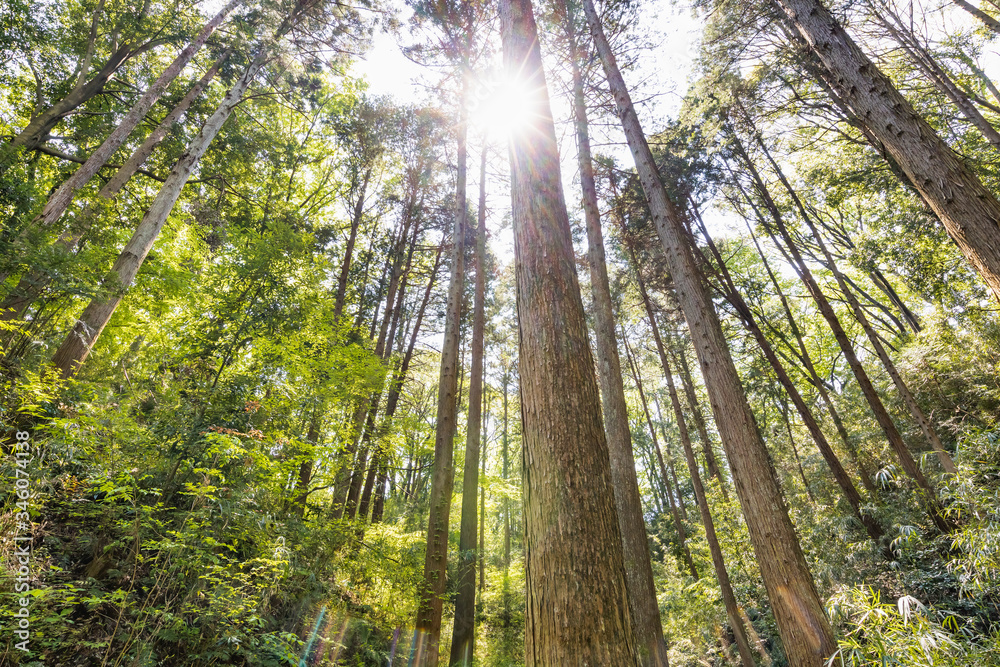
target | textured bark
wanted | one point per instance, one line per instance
(802, 623)
(427, 634)
(63, 196)
(682, 545)
(577, 610)
(463, 640)
(635, 543)
(935, 73)
(77, 345)
(37, 130)
(969, 211)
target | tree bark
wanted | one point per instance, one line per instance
(844, 481)
(970, 212)
(987, 20)
(635, 543)
(345, 266)
(904, 391)
(577, 607)
(799, 612)
(463, 639)
(813, 376)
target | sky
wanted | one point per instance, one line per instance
(668, 26)
(658, 85)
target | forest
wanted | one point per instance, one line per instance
(643, 333)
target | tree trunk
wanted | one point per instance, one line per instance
(400, 377)
(635, 543)
(345, 266)
(813, 375)
(31, 285)
(306, 467)
(78, 344)
(847, 347)
(987, 20)
(911, 403)
(728, 598)
(850, 492)
(427, 634)
(577, 606)
(63, 196)
(463, 640)
(799, 612)
(699, 422)
(969, 211)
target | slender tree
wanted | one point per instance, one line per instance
(463, 641)
(802, 622)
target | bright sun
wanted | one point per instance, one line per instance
(502, 106)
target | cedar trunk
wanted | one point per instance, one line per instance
(970, 212)
(577, 609)
(801, 618)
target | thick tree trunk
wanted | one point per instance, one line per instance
(635, 543)
(463, 640)
(77, 345)
(801, 618)
(969, 211)
(63, 196)
(577, 606)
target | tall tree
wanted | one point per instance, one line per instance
(969, 211)
(577, 609)
(802, 622)
(635, 544)
(463, 640)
